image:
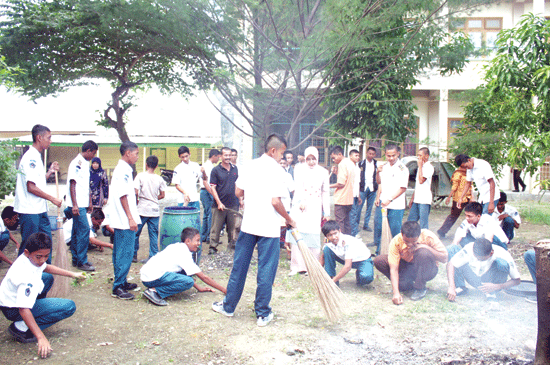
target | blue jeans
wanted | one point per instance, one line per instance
(395, 219)
(153, 228)
(531, 262)
(123, 252)
(268, 260)
(354, 216)
(420, 212)
(4, 239)
(80, 236)
(364, 273)
(508, 227)
(207, 200)
(486, 205)
(497, 273)
(171, 283)
(32, 223)
(368, 196)
(469, 238)
(46, 311)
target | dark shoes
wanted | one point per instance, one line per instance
(86, 267)
(20, 336)
(368, 229)
(129, 286)
(418, 294)
(440, 234)
(154, 297)
(122, 294)
(134, 259)
(212, 251)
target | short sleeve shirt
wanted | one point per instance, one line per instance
(481, 173)
(149, 187)
(223, 181)
(68, 228)
(22, 284)
(346, 177)
(511, 211)
(208, 166)
(399, 250)
(261, 179)
(173, 258)
(459, 184)
(486, 227)
(349, 247)
(466, 257)
(122, 184)
(423, 192)
(31, 169)
(79, 171)
(392, 179)
(187, 175)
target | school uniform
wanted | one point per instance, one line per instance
(187, 175)
(422, 203)
(4, 235)
(33, 210)
(26, 286)
(170, 271)
(79, 171)
(355, 212)
(486, 226)
(68, 229)
(207, 200)
(261, 179)
(122, 184)
(481, 173)
(349, 248)
(507, 224)
(149, 187)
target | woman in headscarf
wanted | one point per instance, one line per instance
(310, 203)
(99, 184)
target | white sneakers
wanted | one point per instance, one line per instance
(218, 307)
(264, 321)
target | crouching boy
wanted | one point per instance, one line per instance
(483, 265)
(170, 271)
(23, 294)
(347, 250)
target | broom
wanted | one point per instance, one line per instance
(386, 233)
(329, 294)
(60, 287)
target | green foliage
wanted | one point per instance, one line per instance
(8, 169)
(7, 73)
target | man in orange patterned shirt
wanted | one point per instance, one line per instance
(412, 261)
(458, 181)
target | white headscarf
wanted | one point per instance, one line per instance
(313, 152)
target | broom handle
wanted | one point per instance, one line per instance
(57, 192)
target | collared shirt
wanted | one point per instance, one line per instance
(458, 181)
(122, 185)
(369, 174)
(22, 284)
(508, 209)
(174, 258)
(187, 175)
(223, 181)
(79, 171)
(346, 177)
(31, 168)
(261, 179)
(423, 192)
(149, 187)
(68, 228)
(399, 250)
(392, 179)
(481, 173)
(466, 256)
(349, 247)
(486, 227)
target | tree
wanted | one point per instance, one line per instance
(8, 170)
(132, 44)
(514, 103)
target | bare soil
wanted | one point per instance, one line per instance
(105, 330)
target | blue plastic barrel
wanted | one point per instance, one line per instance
(174, 220)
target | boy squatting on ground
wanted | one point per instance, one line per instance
(10, 221)
(483, 265)
(94, 221)
(507, 216)
(347, 250)
(170, 271)
(478, 225)
(23, 294)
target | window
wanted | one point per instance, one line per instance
(482, 31)
(453, 124)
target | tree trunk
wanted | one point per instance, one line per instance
(542, 251)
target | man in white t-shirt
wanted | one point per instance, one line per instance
(392, 179)
(30, 189)
(347, 250)
(186, 175)
(79, 202)
(206, 197)
(507, 216)
(261, 185)
(421, 201)
(150, 188)
(481, 173)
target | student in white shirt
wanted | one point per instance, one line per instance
(186, 175)
(124, 219)
(507, 216)
(367, 187)
(94, 221)
(481, 173)
(79, 201)
(421, 201)
(478, 225)
(355, 212)
(30, 189)
(206, 197)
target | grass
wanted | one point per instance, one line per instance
(535, 213)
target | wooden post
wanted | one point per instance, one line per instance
(542, 251)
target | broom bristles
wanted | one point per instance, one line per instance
(386, 233)
(329, 294)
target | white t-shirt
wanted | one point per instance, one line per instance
(174, 258)
(291, 186)
(121, 185)
(393, 178)
(508, 209)
(208, 166)
(261, 179)
(369, 173)
(486, 227)
(31, 168)
(22, 284)
(187, 176)
(466, 256)
(149, 187)
(423, 192)
(480, 174)
(68, 228)
(79, 171)
(349, 247)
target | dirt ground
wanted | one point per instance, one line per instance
(105, 330)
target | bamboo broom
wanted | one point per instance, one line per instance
(386, 233)
(329, 294)
(60, 287)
